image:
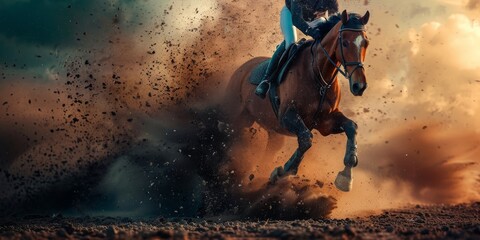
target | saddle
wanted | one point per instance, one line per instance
(278, 75)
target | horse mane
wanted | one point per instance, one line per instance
(332, 20)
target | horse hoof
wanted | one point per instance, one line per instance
(343, 182)
(277, 173)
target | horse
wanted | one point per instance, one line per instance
(309, 94)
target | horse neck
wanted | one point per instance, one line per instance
(329, 42)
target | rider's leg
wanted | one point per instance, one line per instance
(290, 36)
(288, 30)
(262, 88)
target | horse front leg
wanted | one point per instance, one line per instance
(338, 123)
(344, 178)
(294, 123)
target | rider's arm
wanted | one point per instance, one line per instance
(297, 16)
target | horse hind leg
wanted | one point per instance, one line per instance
(294, 123)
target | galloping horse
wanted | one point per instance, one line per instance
(309, 94)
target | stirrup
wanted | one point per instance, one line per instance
(265, 80)
(262, 89)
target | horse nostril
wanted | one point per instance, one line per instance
(358, 88)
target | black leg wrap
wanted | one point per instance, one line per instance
(294, 123)
(350, 129)
(291, 166)
(351, 159)
(304, 143)
(305, 140)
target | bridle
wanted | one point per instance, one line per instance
(345, 63)
(324, 85)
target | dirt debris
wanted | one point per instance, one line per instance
(414, 222)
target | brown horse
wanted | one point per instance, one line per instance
(309, 94)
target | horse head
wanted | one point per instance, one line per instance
(351, 50)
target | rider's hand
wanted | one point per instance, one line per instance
(314, 32)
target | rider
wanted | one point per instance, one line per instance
(301, 14)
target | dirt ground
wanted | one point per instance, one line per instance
(416, 222)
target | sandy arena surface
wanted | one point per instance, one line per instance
(416, 222)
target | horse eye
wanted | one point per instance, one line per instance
(345, 43)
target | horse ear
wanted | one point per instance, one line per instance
(365, 18)
(344, 17)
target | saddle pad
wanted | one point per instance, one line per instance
(257, 74)
(293, 52)
(285, 62)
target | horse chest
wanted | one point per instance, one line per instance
(328, 100)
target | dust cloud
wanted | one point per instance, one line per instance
(134, 106)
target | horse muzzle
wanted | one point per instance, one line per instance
(358, 88)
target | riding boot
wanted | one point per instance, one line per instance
(264, 85)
